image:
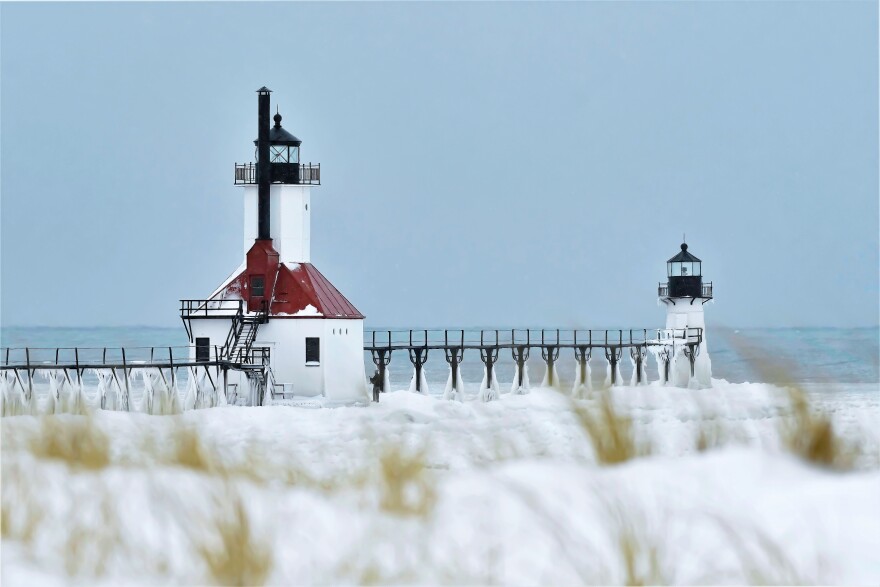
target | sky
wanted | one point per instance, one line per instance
(482, 164)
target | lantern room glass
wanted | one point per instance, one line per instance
(684, 269)
(283, 154)
(277, 154)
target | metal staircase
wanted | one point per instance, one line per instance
(254, 362)
(243, 333)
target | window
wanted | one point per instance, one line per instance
(277, 154)
(203, 349)
(258, 285)
(313, 350)
(294, 154)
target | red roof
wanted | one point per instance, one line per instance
(302, 285)
(289, 289)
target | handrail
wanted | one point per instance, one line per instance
(307, 173)
(209, 308)
(533, 338)
(93, 357)
(663, 289)
(234, 330)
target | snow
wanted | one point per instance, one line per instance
(515, 494)
(309, 310)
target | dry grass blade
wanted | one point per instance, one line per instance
(20, 515)
(811, 435)
(407, 487)
(611, 432)
(640, 552)
(807, 432)
(234, 554)
(75, 440)
(190, 451)
(711, 434)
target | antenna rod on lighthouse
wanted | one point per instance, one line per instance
(263, 164)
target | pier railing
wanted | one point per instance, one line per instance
(535, 338)
(80, 358)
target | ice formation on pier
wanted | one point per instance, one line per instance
(551, 376)
(488, 392)
(515, 387)
(454, 392)
(618, 380)
(423, 383)
(583, 384)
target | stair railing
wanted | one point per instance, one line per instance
(234, 332)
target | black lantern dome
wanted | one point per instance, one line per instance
(684, 264)
(685, 274)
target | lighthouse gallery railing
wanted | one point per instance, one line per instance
(307, 173)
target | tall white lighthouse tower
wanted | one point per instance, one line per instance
(277, 307)
(684, 295)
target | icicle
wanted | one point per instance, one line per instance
(161, 397)
(147, 398)
(489, 393)
(456, 394)
(515, 387)
(189, 400)
(102, 387)
(16, 398)
(7, 380)
(64, 394)
(169, 403)
(412, 384)
(546, 382)
(29, 399)
(206, 395)
(52, 403)
(581, 388)
(3, 393)
(703, 366)
(638, 371)
(221, 395)
(617, 376)
(680, 369)
(78, 403)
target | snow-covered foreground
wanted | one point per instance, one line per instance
(421, 490)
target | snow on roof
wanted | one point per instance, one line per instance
(310, 284)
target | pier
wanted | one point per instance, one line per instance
(452, 344)
(202, 374)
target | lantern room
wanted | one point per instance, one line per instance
(283, 154)
(684, 272)
(684, 264)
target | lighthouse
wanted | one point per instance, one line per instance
(684, 295)
(276, 309)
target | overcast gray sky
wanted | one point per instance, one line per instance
(482, 164)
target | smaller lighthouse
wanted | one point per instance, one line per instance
(684, 295)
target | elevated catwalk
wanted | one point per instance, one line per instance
(202, 375)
